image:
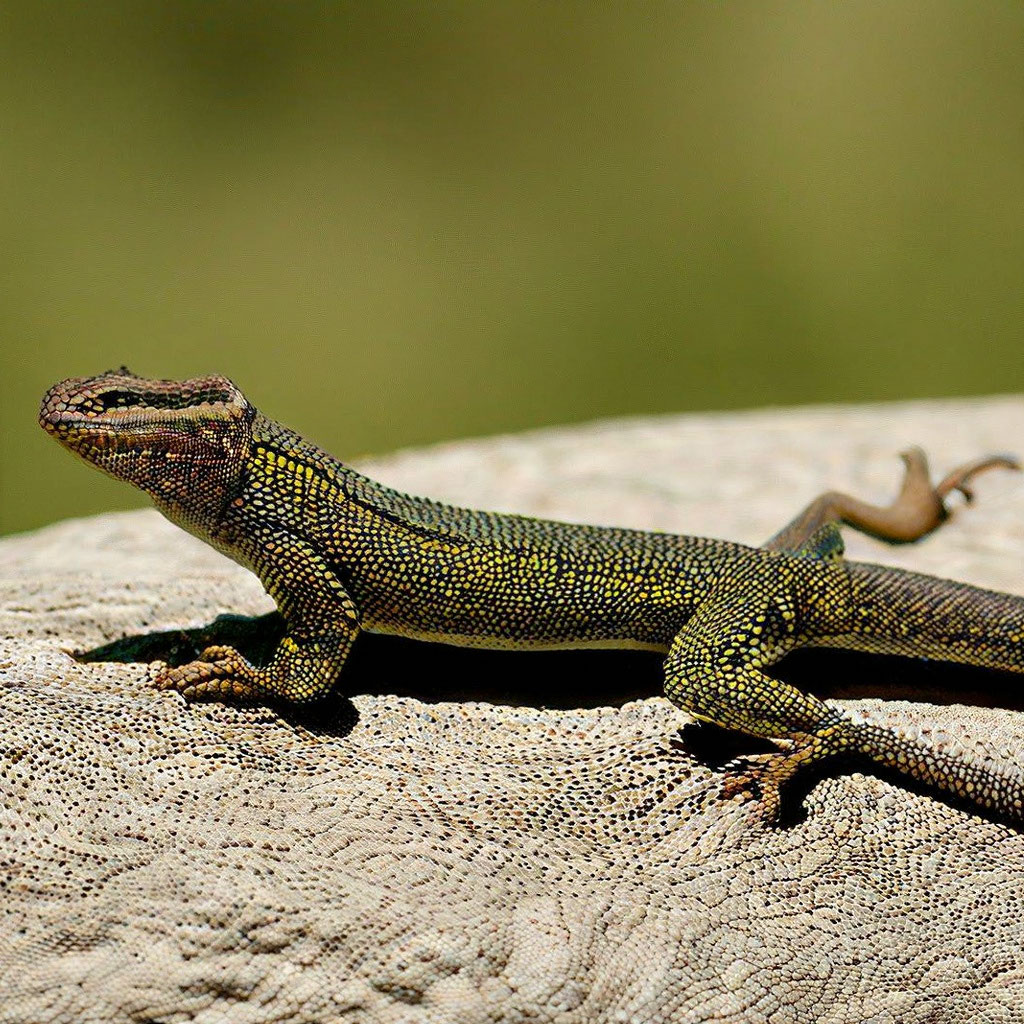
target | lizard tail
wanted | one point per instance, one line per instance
(984, 771)
(924, 616)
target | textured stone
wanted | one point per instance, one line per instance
(417, 858)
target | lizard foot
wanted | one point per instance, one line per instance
(959, 479)
(754, 778)
(220, 673)
(764, 776)
(921, 506)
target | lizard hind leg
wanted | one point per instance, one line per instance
(918, 509)
(970, 770)
(713, 670)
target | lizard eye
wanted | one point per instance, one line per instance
(120, 400)
(123, 399)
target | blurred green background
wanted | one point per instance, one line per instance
(396, 223)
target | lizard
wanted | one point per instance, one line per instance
(340, 554)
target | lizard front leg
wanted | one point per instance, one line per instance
(302, 668)
(322, 624)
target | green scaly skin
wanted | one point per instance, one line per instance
(340, 553)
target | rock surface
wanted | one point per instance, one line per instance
(415, 859)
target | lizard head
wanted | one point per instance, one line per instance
(183, 442)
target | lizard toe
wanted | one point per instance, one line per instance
(212, 677)
(760, 777)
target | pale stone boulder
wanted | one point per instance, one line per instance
(435, 858)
